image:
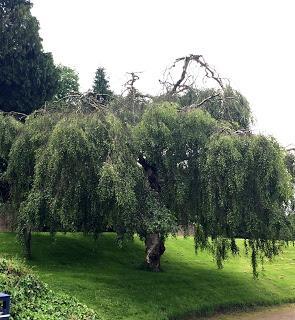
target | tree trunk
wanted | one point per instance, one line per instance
(154, 243)
(155, 248)
(27, 237)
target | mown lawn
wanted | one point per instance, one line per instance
(111, 280)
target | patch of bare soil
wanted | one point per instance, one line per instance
(279, 313)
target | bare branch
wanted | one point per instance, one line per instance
(200, 104)
(134, 77)
(183, 74)
(130, 84)
(207, 99)
(17, 115)
(210, 73)
(240, 132)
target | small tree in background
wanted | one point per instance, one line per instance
(28, 76)
(101, 86)
(68, 81)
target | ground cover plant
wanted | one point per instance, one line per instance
(112, 281)
(31, 299)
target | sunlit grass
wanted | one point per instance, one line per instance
(112, 281)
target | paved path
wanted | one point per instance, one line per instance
(279, 313)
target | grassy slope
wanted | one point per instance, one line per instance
(110, 279)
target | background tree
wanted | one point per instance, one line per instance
(101, 86)
(28, 76)
(68, 82)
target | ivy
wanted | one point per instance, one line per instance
(32, 299)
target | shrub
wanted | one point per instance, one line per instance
(31, 299)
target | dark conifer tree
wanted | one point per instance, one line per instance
(101, 86)
(28, 76)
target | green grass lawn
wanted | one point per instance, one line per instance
(111, 280)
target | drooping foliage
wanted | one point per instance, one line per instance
(245, 193)
(9, 129)
(233, 107)
(227, 185)
(87, 170)
(67, 175)
(25, 151)
(290, 163)
(171, 141)
(28, 76)
(54, 173)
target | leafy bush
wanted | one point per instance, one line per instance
(31, 298)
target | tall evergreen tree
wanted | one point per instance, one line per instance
(28, 76)
(101, 86)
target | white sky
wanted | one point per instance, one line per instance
(251, 42)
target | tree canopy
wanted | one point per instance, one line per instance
(234, 109)
(28, 76)
(87, 171)
(68, 82)
(84, 166)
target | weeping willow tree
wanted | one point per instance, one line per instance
(82, 167)
(87, 171)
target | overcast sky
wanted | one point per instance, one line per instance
(251, 42)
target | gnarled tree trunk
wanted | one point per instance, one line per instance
(154, 243)
(155, 247)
